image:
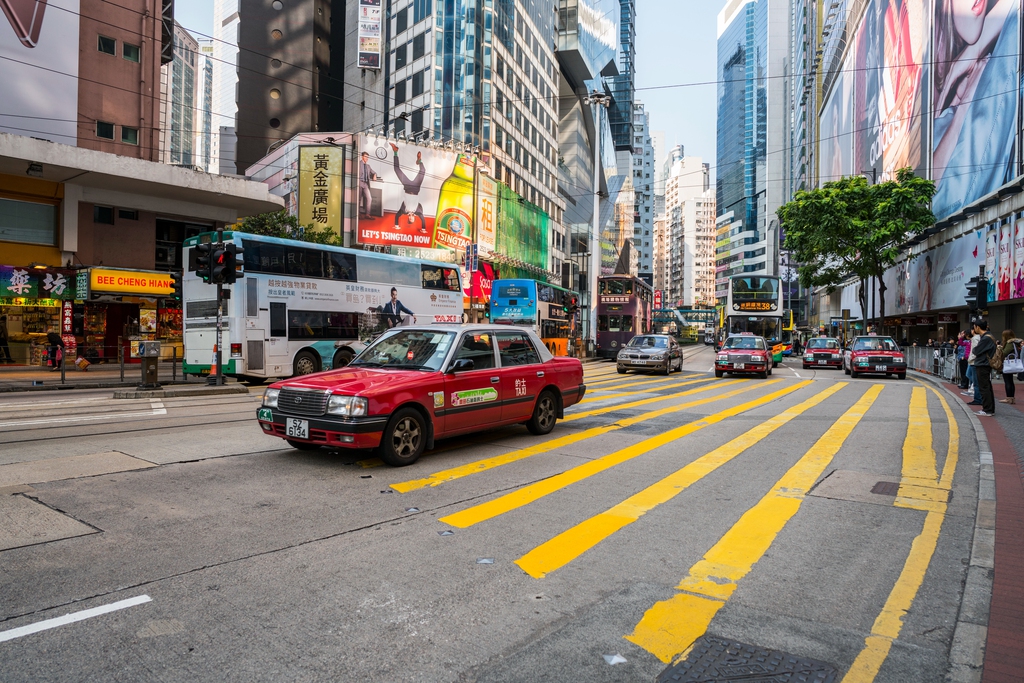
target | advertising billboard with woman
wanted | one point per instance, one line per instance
(975, 94)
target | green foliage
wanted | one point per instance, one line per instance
(848, 228)
(281, 224)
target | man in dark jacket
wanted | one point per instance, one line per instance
(983, 352)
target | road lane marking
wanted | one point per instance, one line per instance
(82, 418)
(615, 385)
(72, 618)
(441, 477)
(529, 494)
(645, 391)
(569, 545)
(889, 622)
(647, 401)
(671, 626)
(918, 456)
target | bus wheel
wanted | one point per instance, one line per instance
(342, 357)
(545, 413)
(404, 438)
(305, 363)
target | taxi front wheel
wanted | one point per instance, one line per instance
(404, 438)
(545, 413)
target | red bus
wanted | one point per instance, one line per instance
(624, 310)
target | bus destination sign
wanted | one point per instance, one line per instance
(754, 306)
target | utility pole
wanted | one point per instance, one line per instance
(602, 101)
(219, 378)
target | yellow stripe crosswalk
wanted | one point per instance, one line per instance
(605, 397)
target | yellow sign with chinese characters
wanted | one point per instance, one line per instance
(116, 281)
(321, 170)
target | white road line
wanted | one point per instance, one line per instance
(796, 373)
(72, 618)
(158, 406)
(84, 418)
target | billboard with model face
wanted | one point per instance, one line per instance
(975, 96)
(39, 76)
(835, 141)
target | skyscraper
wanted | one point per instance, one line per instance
(643, 184)
(178, 121)
(622, 85)
(225, 82)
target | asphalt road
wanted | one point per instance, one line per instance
(661, 510)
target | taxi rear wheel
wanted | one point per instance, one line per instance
(404, 438)
(545, 414)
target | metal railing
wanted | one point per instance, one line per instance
(939, 362)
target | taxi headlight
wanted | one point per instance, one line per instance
(723, 356)
(270, 398)
(347, 406)
(808, 357)
(862, 362)
(899, 359)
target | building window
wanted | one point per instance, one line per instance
(420, 10)
(416, 124)
(107, 45)
(417, 83)
(130, 52)
(128, 214)
(129, 135)
(103, 215)
(400, 92)
(400, 56)
(28, 222)
(419, 45)
(401, 21)
(104, 130)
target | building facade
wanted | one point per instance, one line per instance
(643, 173)
(180, 100)
(225, 84)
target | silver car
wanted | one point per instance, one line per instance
(653, 352)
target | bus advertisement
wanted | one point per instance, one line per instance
(535, 304)
(301, 307)
(624, 309)
(754, 305)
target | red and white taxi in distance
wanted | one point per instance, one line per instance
(413, 385)
(875, 355)
(744, 353)
(823, 352)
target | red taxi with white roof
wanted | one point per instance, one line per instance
(744, 353)
(413, 385)
(823, 352)
(875, 355)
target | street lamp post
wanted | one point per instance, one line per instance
(602, 101)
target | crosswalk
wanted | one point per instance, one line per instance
(841, 413)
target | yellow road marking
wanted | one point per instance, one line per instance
(533, 492)
(889, 622)
(646, 401)
(570, 544)
(918, 456)
(614, 385)
(441, 477)
(605, 397)
(372, 462)
(671, 626)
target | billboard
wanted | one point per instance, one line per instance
(1018, 260)
(835, 141)
(891, 55)
(321, 169)
(974, 101)
(368, 34)
(414, 196)
(39, 78)
(936, 279)
(486, 214)
(1005, 263)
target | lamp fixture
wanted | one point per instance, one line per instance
(34, 169)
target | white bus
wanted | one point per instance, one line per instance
(754, 305)
(301, 307)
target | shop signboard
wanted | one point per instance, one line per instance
(321, 169)
(486, 214)
(129, 282)
(657, 299)
(424, 253)
(925, 321)
(975, 118)
(67, 318)
(18, 281)
(948, 318)
(369, 33)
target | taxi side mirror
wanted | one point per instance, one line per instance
(461, 365)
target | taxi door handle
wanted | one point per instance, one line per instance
(540, 373)
(495, 380)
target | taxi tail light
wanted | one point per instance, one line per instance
(236, 350)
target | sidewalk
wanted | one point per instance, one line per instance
(1004, 649)
(97, 376)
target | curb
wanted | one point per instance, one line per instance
(967, 651)
(77, 385)
(175, 392)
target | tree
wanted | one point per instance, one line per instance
(848, 228)
(281, 224)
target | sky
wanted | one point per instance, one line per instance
(676, 44)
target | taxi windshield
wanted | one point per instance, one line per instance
(648, 342)
(875, 344)
(407, 350)
(744, 343)
(823, 344)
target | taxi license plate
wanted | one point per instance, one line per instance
(822, 362)
(879, 368)
(739, 366)
(297, 428)
(639, 362)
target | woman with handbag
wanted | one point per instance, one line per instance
(1008, 361)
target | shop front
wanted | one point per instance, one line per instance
(97, 311)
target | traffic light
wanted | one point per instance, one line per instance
(176, 286)
(977, 294)
(487, 310)
(235, 263)
(219, 264)
(203, 261)
(572, 306)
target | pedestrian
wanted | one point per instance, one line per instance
(53, 343)
(5, 350)
(983, 352)
(963, 349)
(972, 375)
(1010, 347)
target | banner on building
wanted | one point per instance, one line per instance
(321, 170)
(369, 34)
(1004, 267)
(486, 214)
(1018, 259)
(991, 261)
(414, 196)
(936, 279)
(835, 141)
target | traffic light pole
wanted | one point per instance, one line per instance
(218, 349)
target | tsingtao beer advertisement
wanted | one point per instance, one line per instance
(414, 196)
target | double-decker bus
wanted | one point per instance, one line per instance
(301, 307)
(624, 309)
(535, 304)
(755, 305)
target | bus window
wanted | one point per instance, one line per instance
(627, 323)
(304, 262)
(627, 287)
(436, 277)
(373, 268)
(340, 266)
(310, 325)
(615, 286)
(278, 320)
(602, 323)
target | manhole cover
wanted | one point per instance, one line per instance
(715, 660)
(886, 488)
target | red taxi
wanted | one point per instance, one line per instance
(823, 352)
(872, 354)
(745, 353)
(413, 385)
